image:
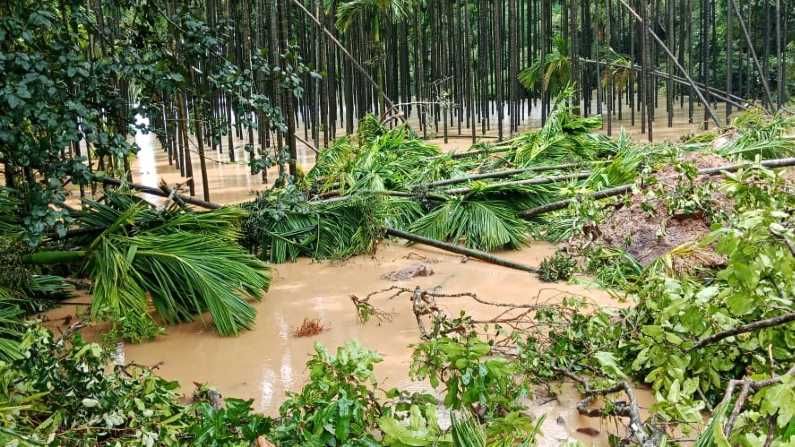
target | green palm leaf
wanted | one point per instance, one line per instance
(485, 224)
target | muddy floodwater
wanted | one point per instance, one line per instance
(268, 361)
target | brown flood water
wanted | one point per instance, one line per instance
(266, 362)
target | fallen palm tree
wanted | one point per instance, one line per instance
(184, 263)
(626, 189)
(505, 173)
(477, 254)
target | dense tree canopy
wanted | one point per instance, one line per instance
(74, 76)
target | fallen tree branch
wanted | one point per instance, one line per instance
(629, 409)
(747, 388)
(750, 327)
(487, 151)
(157, 192)
(383, 193)
(518, 316)
(502, 174)
(624, 189)
(531, 181)
(458, 249)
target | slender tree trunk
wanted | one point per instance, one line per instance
(498, 17)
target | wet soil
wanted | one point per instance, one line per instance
(645, 228)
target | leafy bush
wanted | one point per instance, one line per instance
(62, 392)
(474, 378)
(338, 406)
(558, 267)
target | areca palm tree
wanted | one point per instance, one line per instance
(380, 14)
(552, 72)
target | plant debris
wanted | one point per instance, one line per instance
(677, 207)
(309, 328)
(408, 272)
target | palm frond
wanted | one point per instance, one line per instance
(552, 72)
(10, 225)
(564, 137)
(186, 262)
(332, 163)
(187, 274)
(116, 295)
(750, 149)
(402, 212)
(11, 326)
(466, 431)
(483, 224)
(335, 230)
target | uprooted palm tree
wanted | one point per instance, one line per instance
(184, 263)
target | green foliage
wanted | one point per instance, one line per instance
(23, 290)
(233, 425)
(760, 135)
(62, 392)
(514, 429)
(576, 335)
(474, 378)
(466, 431)
(189, 264)
(282, 226)
(477, 223)
(185, 262)
(369, 129)
(383, 160)
(379, 13)
(558, 267)
(337, 406)
(332, 161)
(341, 405)
(673, 313)
(75, 75)
(416, 426)
(551, 73)
(612, 268)
(564, 137)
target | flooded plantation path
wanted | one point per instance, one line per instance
(232, 182)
